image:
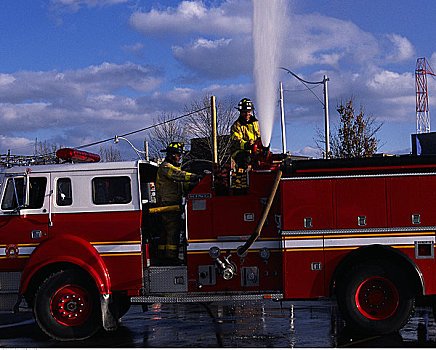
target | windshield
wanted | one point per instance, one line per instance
(36, 193)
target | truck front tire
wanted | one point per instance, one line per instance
(67, 306)
(375, 298)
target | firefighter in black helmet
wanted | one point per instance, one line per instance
(244, 133)
(171, 184)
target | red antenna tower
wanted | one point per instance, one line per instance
(422, 117)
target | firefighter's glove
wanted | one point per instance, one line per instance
(248, 146)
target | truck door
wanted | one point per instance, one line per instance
(24, 223)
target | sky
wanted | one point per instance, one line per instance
(74, 72)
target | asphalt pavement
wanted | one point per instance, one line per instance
(249, 324)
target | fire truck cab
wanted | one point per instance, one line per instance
(70, 235)
(78, 241)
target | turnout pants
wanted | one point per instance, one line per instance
(170, 237)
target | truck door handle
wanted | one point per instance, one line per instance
(36, 234)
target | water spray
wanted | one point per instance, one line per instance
(269, 18)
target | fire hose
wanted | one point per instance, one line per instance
(255, 235)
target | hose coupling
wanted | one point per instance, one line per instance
(226, 268)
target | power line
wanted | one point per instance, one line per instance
(305, 82)
(25, 160)
(296, 90)
(139, 130)
(143, 129)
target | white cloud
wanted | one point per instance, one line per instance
(221, 43)
(432, 61)
(388, 83)
(76, 103)
(72, 85)
(402, 49)
(75, 5)
(218, 59)
(6, 79)
(135, 49)
(308, 151)
(194, 17)
(16, 143)
(317, 39)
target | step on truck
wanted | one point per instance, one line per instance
(78, 241)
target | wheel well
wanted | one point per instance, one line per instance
(379, 252)
(41, 275)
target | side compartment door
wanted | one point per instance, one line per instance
(307, 213)
(24, 223)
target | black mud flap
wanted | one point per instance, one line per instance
(109, 321)
(17, 304)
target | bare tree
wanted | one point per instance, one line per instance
(109, 154)
(355, 136)
(197, 127)
(45, 149)
(200, 125)
(166, 131)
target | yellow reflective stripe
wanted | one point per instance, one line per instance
(171, 247)
(165, 209)
(187, 176)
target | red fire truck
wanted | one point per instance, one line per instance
(77, 241)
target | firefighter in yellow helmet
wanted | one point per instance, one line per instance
(244, 133)
(171, 184)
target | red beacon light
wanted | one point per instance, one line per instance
(70, 154)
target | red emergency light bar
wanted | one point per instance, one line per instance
(75, 155)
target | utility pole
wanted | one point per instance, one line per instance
(214, 130)
(282, 114)
(147, 158)
(326, 118)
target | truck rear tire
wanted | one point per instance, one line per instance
(375, 298)
(67, 306)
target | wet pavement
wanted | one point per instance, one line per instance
(249, 324)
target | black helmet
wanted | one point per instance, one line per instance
(174, 147)
(245, 105)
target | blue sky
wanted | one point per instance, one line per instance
(78, 71)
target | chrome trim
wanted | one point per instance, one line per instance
(118, 248)
(399, 230)
(227, 245)
(233, 238)
(188, 298)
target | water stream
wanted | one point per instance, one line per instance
(269, 19)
